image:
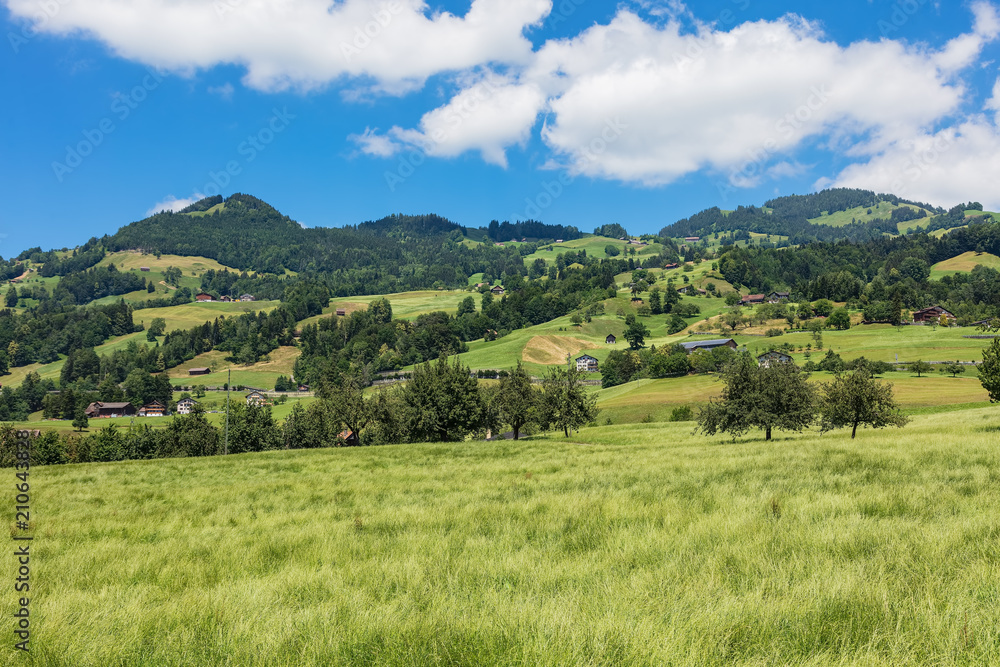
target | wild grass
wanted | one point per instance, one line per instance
(964, 263)
(645, 546)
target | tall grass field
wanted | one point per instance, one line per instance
(645, 546)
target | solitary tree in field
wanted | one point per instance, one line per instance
(858, 398)
(989, 370)
(636, 334)
(954, 368)
(776, 396)
(565, 403)
(80, 421)
(920, 367)
(517, 401)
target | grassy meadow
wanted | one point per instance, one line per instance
(648, 546)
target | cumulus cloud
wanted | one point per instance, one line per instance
(172, 203)
(225, 91)
(302, 44)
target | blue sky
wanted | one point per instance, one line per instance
(581, 112)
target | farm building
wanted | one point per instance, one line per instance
(692, 239)
(672, 265)
(341, 311)
(586, 363)
(932, 315)
(610, 340)
(752, 299)
(226, 299)
(185, 406)
(708, 344)
(144, 268)
(349, 438)
(773, 357)
(498, 290)
(199, 371)
(202, 296)
(777, 297)
(246, 297)
(256, 398)
(154, 409)
(99, 410)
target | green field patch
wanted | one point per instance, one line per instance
(964, 263)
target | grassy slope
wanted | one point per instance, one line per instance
(640, 547)
(594, 245)
(860, 214)
(964, 263)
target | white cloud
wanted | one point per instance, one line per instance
(942, 168)
(172, 203)
(375, 144)
(225, 91)
(301, 44)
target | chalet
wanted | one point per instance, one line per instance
(498, 290)
(751, 299)
(610, 340)
(154, 409)
(185, 406)
(144, 268)
(202, 296)
(559, 240)
(341, 312)
(672, 265)
(99, 410)
(586, 363)
(933, 315)
(246, 297)
(226, 299)
(684, 289)
(708, 344)
(199, 371)
(256, 398)
(692, 239)
(773, 357)
(777, 297)
(349, 438)
(303, 387)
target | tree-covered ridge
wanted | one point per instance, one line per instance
(791, 216)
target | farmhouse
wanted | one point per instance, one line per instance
(773, 357)
(199, 371)
(144, 268)
(932, 315)
(154, 409)
(777, 297)
(349, 438)
(708, 344)
(100, 410)
(185, 406)
(752, 298)
(692, 239)
(341, 312)
(202, 296)
(246, 297)
(672, 265)
(256, 398)
(586, 363)
(610, 340)
(226, 299)
(498, 290)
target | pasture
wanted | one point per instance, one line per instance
(964, 263)
(645, 546)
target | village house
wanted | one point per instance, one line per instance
(349, 438)
(185, 406)
(586, 364)
(246, 297)
(498, 290)
(226, 299)
(99, 410)
(773, 357)
(933, 315)
(154, 409)
(202, 296)
(708, 344)
(610, 340)
(751, 299)
(257, 398)
(199, 371)
(777, 297)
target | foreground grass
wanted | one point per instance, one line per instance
(643, 547)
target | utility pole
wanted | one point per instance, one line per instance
(229, 383)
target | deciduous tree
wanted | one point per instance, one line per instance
(857, 398)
